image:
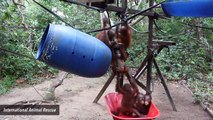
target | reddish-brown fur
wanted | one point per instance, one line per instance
(122, 38)
(129, 92)
(142, 103)
(122, 34)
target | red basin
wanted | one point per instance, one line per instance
(113, 101)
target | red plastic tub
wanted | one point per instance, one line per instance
(113, 101)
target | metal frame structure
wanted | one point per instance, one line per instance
(153, 48)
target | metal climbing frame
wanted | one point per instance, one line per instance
(153, 48)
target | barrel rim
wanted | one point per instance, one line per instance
(43, 42)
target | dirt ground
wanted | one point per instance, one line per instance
(76, 94)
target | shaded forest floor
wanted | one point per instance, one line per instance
(76, 94)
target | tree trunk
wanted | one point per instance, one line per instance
(198, 30)
(50, 95)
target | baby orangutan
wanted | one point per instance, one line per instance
(118, 40)
(142, 103)
(129, 93)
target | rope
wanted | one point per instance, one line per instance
(128, 18)
(203, 27)
(195, 26)
(71, 1)
(37, 92)
(158, 28)
(138, 31)
(98, 30)
(15, 53)
(51, 12)
(95, 8)
(143, 11)
(99, 9)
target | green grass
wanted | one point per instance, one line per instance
(202, 90)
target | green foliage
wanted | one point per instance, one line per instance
(202, 90)
(21, 31)
(191, 59)
(190, 56)
(15, 37)
(7, 83)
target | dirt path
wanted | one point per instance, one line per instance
(76, 94)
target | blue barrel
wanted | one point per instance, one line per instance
(73, 51)
(188, 8)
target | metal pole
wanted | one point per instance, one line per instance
(164, 85)
(149, 52)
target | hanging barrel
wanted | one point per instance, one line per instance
(73, 51)
(188, 8)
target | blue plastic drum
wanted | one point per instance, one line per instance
(73, 51)
(188, 8)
